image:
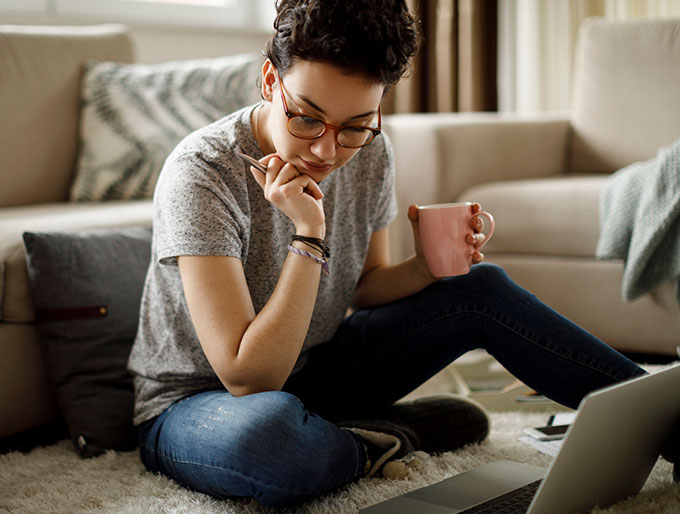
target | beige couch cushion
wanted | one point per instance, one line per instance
(26, 399)
(626, 92)
(15, 302)
(588, 291)
(552, 216)
(440, 155)
(39, 90)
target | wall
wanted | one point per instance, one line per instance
(158, 44)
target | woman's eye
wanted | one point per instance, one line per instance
(309, 121)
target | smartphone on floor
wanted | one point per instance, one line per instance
(547, 433)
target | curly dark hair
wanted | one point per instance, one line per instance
(372, 38)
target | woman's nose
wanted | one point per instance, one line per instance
(325, 147)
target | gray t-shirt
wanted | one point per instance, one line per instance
(207, 203)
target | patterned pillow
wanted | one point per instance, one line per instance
(133, 115)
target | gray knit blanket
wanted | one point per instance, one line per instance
(640, 222)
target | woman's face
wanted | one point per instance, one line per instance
(323, 91)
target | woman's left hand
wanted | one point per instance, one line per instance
(476, 239)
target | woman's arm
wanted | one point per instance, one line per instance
(252, 353)
(249, 353)
(382, 283)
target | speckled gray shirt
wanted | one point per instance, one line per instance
(207, 203)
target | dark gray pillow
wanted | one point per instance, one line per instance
(86, 287)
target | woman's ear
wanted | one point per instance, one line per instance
(268, 80)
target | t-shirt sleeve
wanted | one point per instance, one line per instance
(387, 199)
(196, 212)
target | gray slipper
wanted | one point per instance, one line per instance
(385, 443)
(433, 424)
(442, 423)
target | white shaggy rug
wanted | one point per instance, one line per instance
(55, 480)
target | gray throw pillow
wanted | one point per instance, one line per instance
(133, 115)
(86, 287)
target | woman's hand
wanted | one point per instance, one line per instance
(476, 239)
(293, 193)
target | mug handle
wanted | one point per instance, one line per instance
(492, 225)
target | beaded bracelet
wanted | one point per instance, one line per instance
(305, 253)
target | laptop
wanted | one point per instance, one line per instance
(607, 455)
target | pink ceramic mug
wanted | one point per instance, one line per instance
(443, 231)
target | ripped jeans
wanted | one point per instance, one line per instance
(281, 447)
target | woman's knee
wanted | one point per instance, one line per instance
(230, 426)
(482, 277)
(276, 411)
(266, 417)
(299, 454)
(489, 271)
(264, 445)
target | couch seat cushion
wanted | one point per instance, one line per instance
(552, 216)
(15, 300)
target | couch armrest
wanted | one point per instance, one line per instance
(439, 156)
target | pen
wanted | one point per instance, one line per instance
(253, 162)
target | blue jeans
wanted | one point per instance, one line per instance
(281, 447)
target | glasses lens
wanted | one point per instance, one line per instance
(354, 137)
(306, 126)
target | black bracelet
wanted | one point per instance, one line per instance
(316, 243)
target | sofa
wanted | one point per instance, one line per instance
(539, 175)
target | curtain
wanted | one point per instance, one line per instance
(536, 45)
(455, 69)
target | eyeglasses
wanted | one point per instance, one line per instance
(304, 126)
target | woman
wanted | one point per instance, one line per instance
(246, 366)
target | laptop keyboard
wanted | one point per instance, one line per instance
(516, 501)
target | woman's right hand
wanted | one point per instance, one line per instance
(293, 193)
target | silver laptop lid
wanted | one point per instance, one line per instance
(611, 448)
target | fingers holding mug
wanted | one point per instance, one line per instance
(476, 222)
(478, 239)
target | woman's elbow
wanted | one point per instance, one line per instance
(246, 384)
(247, 389)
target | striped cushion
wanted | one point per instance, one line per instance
(133, 115)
